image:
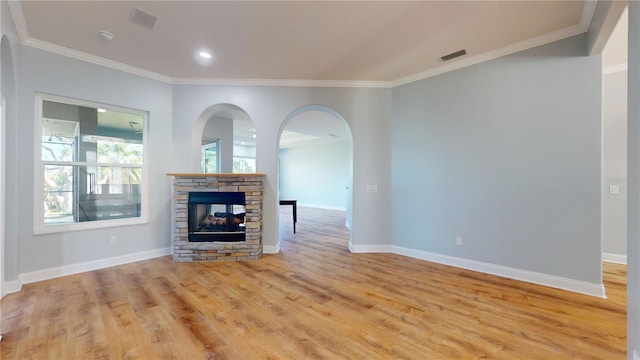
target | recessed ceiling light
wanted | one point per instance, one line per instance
(102, 110)
(205, 54)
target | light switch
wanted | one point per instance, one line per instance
(614, 189)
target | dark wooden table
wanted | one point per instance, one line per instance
(294, 204)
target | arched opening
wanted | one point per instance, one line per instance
(8, 253)
(225, 140)
(315, 169)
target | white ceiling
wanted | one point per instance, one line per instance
(334, 43)
(374, 41)
(313, 127)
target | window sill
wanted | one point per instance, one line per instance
(40, 229)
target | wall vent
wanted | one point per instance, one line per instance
(143, 18)
(453, 55)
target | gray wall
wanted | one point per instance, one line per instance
(507, 155)
(49, 73)
(316, 175)
(614, 164)
(9, 51)
(367, 112)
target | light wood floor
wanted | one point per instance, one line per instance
(314, 300)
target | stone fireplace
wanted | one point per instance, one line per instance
(217, 217)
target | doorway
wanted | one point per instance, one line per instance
(315, 168)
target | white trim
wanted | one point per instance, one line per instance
(39, 227)
(3, 115)
(494, 54)
(18, 18)
(347, 224)
(587, 14)
(271, 249)
(635, 355)
(82, 56)
(52, 273)
(370, 248)
(614, 258)
(577, 286)
(11, 287)
(15, 9)
(282, 82)
(615, 68)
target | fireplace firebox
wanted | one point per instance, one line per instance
(216, 216)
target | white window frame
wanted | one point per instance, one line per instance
(213, 142)
(39, 226)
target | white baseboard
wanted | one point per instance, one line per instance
(11, 287)
(558, 282)
(47, 274)
(577, 286)
(508, 272)
(271, 249)
(614, 258)
(370, 248)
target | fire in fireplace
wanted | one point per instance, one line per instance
(216, 216)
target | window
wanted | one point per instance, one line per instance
(91, 165)
(244, 159)
(244, 165)
(209, 156)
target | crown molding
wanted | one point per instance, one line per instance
(17, 15)
(494, 54)
(82, 56)
(15, 9)
(587, 13)
(585, 21)
(283, 82)
(79, 55)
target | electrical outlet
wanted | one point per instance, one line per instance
(114, 239)
(459, 241)
(372, 188)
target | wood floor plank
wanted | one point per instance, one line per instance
(314, 300)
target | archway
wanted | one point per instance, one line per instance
(8, 251)
(315, 161)
(224, 140)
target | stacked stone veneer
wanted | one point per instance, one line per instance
(250, 249)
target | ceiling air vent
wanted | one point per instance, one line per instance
(143, 18)
(453, 55)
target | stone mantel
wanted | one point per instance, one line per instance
(250, 184)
